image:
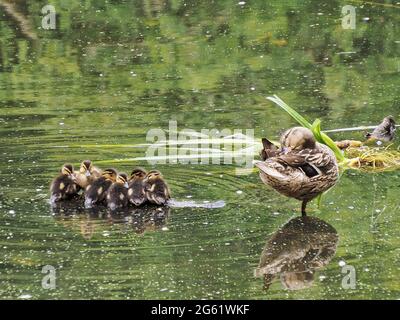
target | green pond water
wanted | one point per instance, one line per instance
(113, 70)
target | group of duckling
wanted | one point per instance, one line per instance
(115, 189)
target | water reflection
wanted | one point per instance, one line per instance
(295, 251)
(73, 215)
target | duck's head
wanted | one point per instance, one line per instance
(67, 169)
(86, 168)
(297, 138)
(110, 174)
(122, 178)
(138, 173)
(153, 175)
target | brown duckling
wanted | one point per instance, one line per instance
(117, 194)
(87, 174)
(384, 132)
(303, 170)
(97, 191)
(64, 187)
(157, 190)
(136, 192)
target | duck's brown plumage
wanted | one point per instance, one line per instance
(97, 191)
(117, 195)
(303, 171)
(87, 174)
(157, 190)
(63, 187)
(136, 191)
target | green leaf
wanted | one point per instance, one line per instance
(315, 127)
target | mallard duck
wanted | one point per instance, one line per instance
(63, 187)
(303, 169)
(87, 174)
(97, 191)
(384, 132)
(269, 149)
(136, 192)
(117, 194)
(157, 190)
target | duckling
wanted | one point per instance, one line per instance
(87, 174)
(384, 132)
(157, 190)
(117, 194)
(63, 187)
(136, 192)
(303, 170)
(97, 191)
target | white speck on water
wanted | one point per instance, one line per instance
(366, 269)
(163, 289)
(25, 296)
(38, 190)
(366, 18)
(322, 278)
(189, 196)
(241, 3)
(276, 213)
(61, 123)
(106, 234)
(351, 207)
(252, 88)
(342, 263)
(239, 192)
(11, 211)
(164, 229)
(227, 243)
(378, 211)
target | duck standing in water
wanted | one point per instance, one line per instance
(384, 132)
(136, 192)
(97, 191)
(87, 174)
(117, 194)
(302, 169)
(156, 189)
(64, 187)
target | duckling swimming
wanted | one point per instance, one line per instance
(97, 191)
(156, 189)
(303, 170)
(64, 187)
(117, 194)
(384, 132)
(136, 192)
(87, 174)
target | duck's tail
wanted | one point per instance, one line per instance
(269, 170)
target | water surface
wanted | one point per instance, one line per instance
(111, 71)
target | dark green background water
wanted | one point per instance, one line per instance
(112, 70)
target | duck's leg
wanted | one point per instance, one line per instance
(303, 208)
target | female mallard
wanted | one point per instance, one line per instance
(302, 169)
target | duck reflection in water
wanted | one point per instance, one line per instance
(295, 251)
(99, 219)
